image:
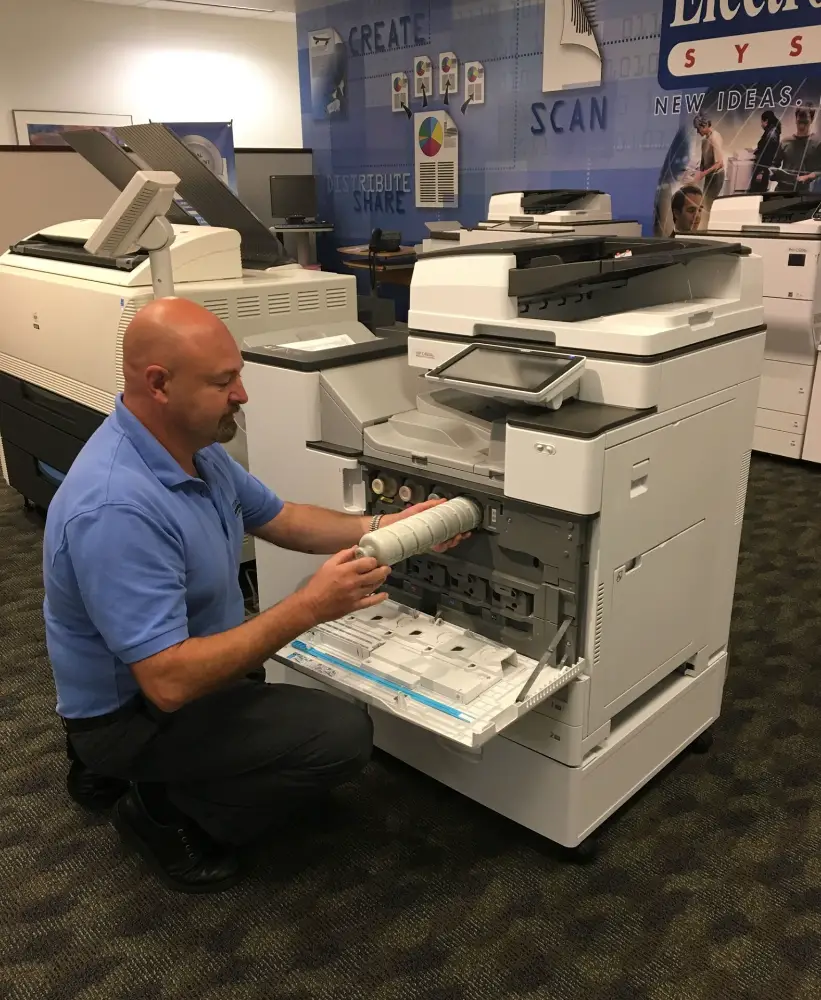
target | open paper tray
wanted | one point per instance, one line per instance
(327, 654)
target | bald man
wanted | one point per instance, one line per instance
(157, 673)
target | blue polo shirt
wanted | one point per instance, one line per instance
(138, 556)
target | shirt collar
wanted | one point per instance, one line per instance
(158, 459)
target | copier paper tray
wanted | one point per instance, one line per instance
(443, 678)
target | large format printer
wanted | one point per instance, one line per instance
(534, 215)
(593, 399)
(64, 311)
(64, 314)
(784, 229)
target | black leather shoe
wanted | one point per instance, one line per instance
(96, 792)
(182, 855)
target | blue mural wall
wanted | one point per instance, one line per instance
(657, 92)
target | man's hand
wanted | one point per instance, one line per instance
(344, 584)
(804, 178)
(389, 519)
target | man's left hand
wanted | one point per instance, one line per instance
(417, 508)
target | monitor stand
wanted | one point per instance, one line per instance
(296, 220)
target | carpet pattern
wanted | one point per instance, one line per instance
(707, 886)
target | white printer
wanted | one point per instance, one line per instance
(536, 214)
(63, 310)
(559, 205)
(63, 314)
(784, 229)
(594, 399)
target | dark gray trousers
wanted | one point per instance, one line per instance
(237, 761)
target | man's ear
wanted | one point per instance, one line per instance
(157, 379)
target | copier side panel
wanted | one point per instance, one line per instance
(664, 551)
(278, 454)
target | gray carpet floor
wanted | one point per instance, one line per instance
(707, 886)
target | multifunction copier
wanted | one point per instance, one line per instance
(556, 205)
(536, 214)
(64, 311)
(784, 229)
(591, 403)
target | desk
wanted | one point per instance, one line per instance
(303, 233)
(387, 273)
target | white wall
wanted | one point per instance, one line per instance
(68, 55)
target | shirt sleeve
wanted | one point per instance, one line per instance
(718, 148)
(130, 571)
(259, 504)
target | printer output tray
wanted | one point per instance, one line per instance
(443, 678)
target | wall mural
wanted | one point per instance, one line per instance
(420, 111)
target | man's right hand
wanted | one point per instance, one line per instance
(344, 584)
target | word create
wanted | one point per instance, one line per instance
(386, 36)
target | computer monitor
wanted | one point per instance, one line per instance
(293, 196)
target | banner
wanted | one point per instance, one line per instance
(738, 141)
(709, 43)
(328, 67)
(663, 104)
(213, 145)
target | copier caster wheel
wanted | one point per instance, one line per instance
(703, 742)
(583, 853)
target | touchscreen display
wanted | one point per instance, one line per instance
(507, 369)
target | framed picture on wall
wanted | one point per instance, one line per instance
(45, 128)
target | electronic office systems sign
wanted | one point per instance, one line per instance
(716, 43)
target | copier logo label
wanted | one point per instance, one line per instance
(712, 43)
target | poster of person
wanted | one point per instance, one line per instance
(46, 128)
(739, 141)
(213, 144)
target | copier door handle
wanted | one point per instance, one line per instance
(639, 477)
(703, 318)
(353, 488)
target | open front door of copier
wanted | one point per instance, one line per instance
(426, 671)
(431, 670)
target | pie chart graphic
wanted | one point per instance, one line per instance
(473, 74)
(398, 85)
(431, 136)
(421, 68)
(447, 64)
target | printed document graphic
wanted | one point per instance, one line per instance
(572, 57)
(475, 82)
(422, 77)
(399, 91)
(437, 160)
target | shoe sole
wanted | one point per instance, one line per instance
(133, 840)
